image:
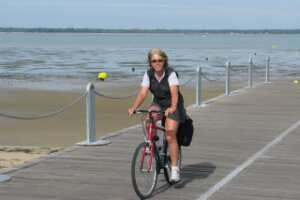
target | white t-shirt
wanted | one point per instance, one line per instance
(173, 80)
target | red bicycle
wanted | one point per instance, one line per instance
(147, 161)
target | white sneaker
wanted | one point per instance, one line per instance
(175, 175)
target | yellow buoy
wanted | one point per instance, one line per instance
(207, 58)
(133, 68)
(295, 81)
(102, 76)
(274, 47)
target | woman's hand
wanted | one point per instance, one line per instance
(139, 100)
(131, 111)
(170, 111)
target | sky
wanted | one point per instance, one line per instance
(154, 14)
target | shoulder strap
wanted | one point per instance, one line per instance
(169, 70)
(150, 72)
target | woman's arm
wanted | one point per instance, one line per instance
(139, 100)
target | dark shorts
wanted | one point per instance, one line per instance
(178, 115)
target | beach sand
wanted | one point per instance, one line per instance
(65, 129)
(10, 156)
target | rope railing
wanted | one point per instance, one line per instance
(42, 116)
(111, 97)
(254, 66)
(239, 72)
(188, 81)
(251, 65)
(209, 79)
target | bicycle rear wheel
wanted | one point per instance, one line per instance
(168, 165)
(143, 179)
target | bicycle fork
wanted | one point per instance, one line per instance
(151, 150)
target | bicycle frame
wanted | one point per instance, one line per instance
(161, 159)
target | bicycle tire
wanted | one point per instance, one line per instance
(143, 180)
(168, 164)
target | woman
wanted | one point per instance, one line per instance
(163, 83)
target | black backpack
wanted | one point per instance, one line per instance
(185, 132)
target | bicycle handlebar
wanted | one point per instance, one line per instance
(159, 112)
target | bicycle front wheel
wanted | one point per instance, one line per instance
(143, 179)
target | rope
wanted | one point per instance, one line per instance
(110, 97)
(188, 81)
(43, 116)
(239, 72)
(204, 76)
(257, 67)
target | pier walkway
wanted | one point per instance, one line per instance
(244, 147)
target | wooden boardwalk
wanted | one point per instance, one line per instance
(245, 147)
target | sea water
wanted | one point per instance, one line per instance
(65, 60)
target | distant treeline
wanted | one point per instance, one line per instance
(172, 31)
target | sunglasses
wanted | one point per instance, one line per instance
(154, 61)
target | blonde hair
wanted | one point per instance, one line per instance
(158, 52)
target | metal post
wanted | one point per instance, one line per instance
(250, 73)
(228, 81)
(90, 114)
(267, 69)
(198, 90)
(228, 78)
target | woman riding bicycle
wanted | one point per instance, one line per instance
(163, 83)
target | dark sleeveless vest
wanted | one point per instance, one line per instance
(161, 90)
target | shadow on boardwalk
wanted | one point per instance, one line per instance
(190, 173)
(194, 172)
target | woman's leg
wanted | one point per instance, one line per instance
(171, 130)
